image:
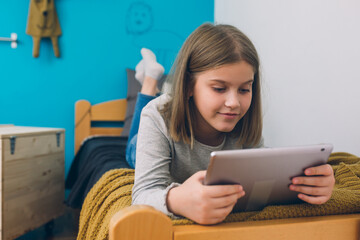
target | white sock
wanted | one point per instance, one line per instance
(153, 69)
(140, 71)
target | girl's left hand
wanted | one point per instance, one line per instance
(317, 186)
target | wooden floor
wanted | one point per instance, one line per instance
(62, 228)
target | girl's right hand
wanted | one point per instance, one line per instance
(201, 203)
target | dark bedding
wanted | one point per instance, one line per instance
(95, 157)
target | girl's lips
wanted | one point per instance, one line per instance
(230, 115)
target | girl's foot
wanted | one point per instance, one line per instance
(153, 69)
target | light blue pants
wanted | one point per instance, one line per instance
(141, 102)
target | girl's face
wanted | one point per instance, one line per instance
(221, 96)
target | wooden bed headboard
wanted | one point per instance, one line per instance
(86, 114)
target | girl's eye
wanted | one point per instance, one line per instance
(244, 90)
(217, 89)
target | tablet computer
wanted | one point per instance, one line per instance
(264, 173)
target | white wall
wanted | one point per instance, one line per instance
(310, 55)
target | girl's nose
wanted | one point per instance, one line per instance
(232, 100)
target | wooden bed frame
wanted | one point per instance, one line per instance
(144, 222)
(85, 114)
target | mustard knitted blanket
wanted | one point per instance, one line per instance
(113, 192)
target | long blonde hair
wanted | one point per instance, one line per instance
(208, 47)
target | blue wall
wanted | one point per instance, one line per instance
(99, 40)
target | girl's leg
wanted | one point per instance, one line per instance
(147, 93)
(152, 72)
(141, 101)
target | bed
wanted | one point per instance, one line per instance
(144, 222)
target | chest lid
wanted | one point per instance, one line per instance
(31, 140)
(8, 131)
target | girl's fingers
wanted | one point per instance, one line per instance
(314, 200)
(320, 176)
(325, 170)
(320, 181)
(313, 191)
(226, 201)
(216, 191)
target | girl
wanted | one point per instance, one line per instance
(214, 105)
(148, 73)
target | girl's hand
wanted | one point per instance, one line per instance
(317, 186)
(203, 204)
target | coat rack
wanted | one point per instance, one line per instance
(12, 39)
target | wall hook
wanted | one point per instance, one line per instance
(12, 39)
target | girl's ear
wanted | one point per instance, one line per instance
(190, 93)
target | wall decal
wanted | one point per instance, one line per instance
(140, 24)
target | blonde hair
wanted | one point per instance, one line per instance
(208, 47)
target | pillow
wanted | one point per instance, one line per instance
(133, 88)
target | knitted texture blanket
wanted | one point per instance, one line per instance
(113, 193)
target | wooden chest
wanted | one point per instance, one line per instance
(32, 178)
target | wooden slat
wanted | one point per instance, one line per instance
(345, 227)
(33, 216)
(41, 171)
(106, 131)
(140, 222)
(82, 122)
(109, 111)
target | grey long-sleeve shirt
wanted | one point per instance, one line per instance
(162, 163)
